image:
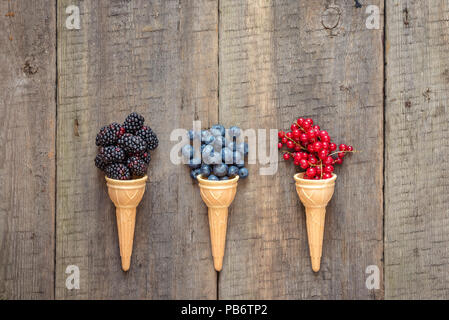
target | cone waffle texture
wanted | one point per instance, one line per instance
(218, 196)
(315, 195)
(126, 196)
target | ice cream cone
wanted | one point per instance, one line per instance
(314, 195)
(218, 196)
(126, 196)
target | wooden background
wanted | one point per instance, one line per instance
(253, 63)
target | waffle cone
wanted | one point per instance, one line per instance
(218, 196)
(315, 195)
(126, 196)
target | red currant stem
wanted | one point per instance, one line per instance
(297, 144)
(300, 127)
(321, 171)
(337, 152)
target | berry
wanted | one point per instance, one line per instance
(220, 170)
(195, 163)
(286, 156)
(341, 154)
(233, 170)
(146, 157)
(224, 178)
(281, 134)
(329, 160)
(118, 171)
(112, 154)
(294, 127)
(349, 148)
(133, 122)
(132, 144)
(332, 146)
(300, 121)
(290, 144)
(243, 173)
(327, 175)
(99, 162)
(284, 140)
(213, 178)
(109, 135)
(303, 137)
(304, 164)
(338, 161)
(317, 146)
(195, 173)
(328, 169)
(149, 137)
(322, 154)
(235, 131)
(280, 145)
(342, 147)
(205, 170)
(318, 171)
(137, 166)
(311, 172)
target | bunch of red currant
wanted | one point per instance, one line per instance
(311, 149)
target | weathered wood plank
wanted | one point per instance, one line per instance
(417, 117)
(159, 58)
(278, 61)
(27, 151)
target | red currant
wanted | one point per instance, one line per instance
(294, 127)
(349, 148)
(303, 137)
(325, 139)
(311, 172)
(317, 146)
(328, 169)
(325, 145)
(300, 121)
(328, 161)
(286, 156)
(310, 148)
(318, 171)
(312, 160)
(327, 175)
(303, 163)
(342, 147)
(338, 161)
(280, 145)
(322, 154)
(332, 146)
(310, 120)
(311, 135)
(297, 147)
(290, 144)
(284, 140)
(341, 154)
(281, 134)
(288, 134)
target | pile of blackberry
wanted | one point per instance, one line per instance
(124, 151)
(222, 154)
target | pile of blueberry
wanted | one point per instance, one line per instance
(221, 156)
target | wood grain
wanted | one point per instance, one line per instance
(27, 149)
(280, 60)
(417, 116)
(159, 58)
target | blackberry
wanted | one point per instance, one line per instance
(137, 166)
(109, 135)
(112, 154)
(99, 162)
(118, 171)
(146, 157)
(132, 144)
(149, 136)
(133, 122)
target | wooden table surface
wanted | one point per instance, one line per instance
(256, 64)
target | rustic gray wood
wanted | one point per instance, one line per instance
(280, 60)
(159, 58)
(27, 149)
(417, 117)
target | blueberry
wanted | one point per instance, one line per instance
(219, 142)
(224, 178)
(205, 170)
(209, 139)
(220, 170)
(234, 131)
(187, 151)
(227, 156)
(195, 173)
(238, 158)
(243, 173)
(233, 170)
(232, 145)
(242, 148)
(214, 158)
(219, 127)
(207, 151)
(240, 165)
(212, 177)
(195, 163)
(215, 132)
(205, 134)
